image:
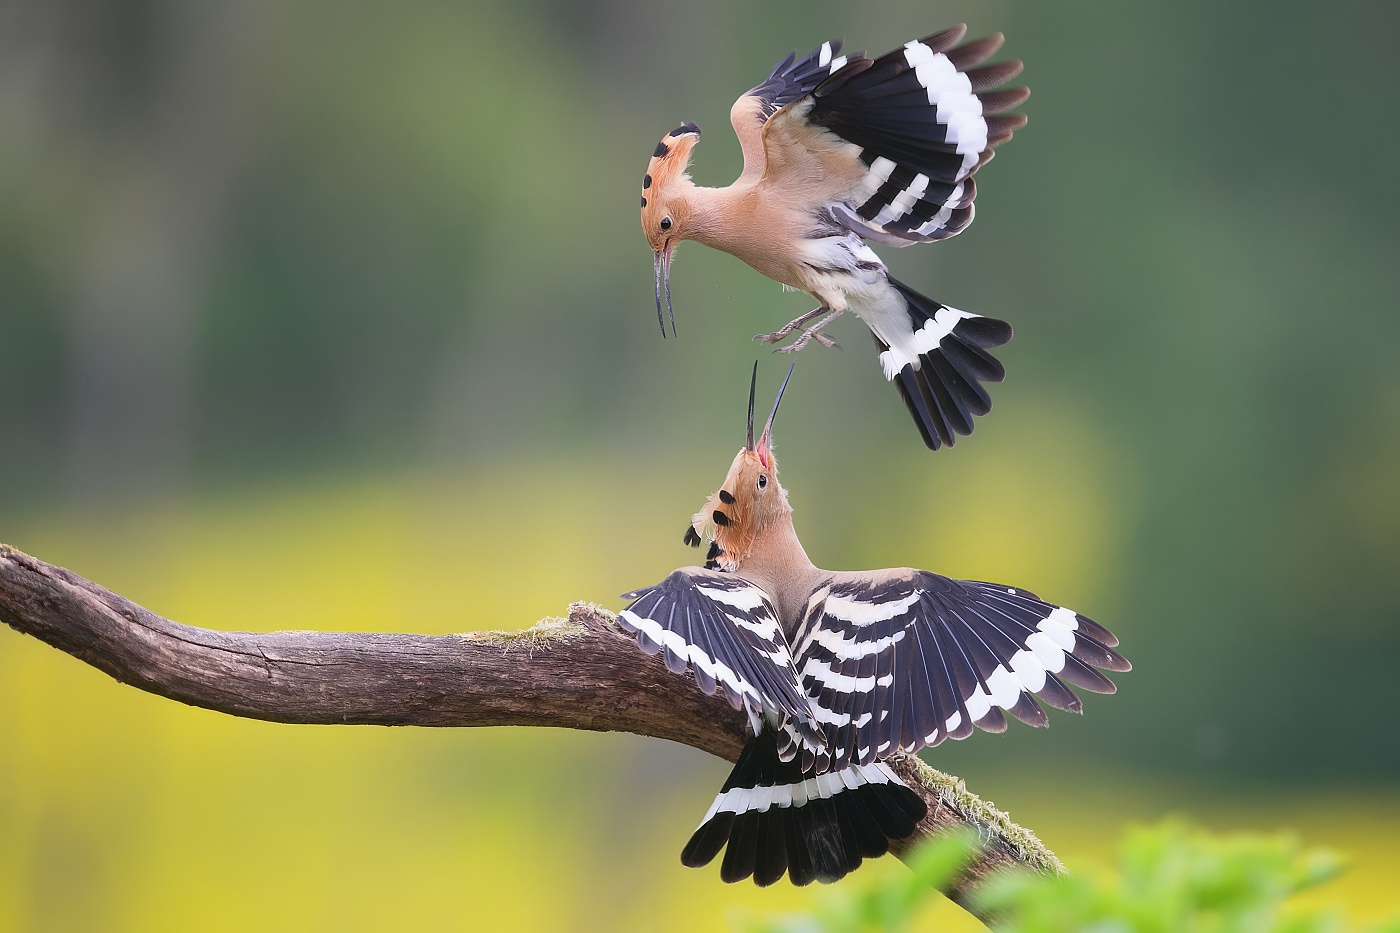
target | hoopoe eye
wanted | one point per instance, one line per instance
(762, 480)
(665, 223)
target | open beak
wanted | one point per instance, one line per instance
(764, 448)
(663, 283)
(765, 443)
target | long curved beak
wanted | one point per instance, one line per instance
(765, 442)
(663, 282)
(753, 384)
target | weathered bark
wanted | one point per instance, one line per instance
(582, 672)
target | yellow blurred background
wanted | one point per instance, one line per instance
(336, 316)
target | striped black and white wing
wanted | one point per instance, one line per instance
(725, 630)
(794, 78)
(905, 659)
(921, 120)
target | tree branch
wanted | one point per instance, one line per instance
(582, 672)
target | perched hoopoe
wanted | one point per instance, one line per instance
(844, 149)
(838, 671)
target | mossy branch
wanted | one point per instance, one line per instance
(579, 672)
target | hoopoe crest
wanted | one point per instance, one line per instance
(841, 151)
(840, 671)
(667, 221)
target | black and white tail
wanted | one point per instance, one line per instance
(940, 371)
(775, 819)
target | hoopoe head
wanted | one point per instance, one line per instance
(666, 212)
(751, 500)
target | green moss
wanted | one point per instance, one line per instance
(987, 819)
(543, 634)
(582, 608)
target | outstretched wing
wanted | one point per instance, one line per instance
(905, 659)
(724, 629)
(900, 136)
(793, 79)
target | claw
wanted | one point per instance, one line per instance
(812, 333)
(790, 326)
(802, 341)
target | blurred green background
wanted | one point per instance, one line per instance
(337, 316)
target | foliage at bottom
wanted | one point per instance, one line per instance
(1170, 878)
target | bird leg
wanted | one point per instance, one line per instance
(790, 326)
(814, 333)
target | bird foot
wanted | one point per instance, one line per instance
(811, 333)
(806, 337)
(790, 326)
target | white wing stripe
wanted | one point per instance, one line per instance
(939, 219)
(822, 714)
(950, 91)
(717, 670)
(1050, 655)
(764, 627)
(746, 599)
(904, 202)
(880, 171)
(1029, 671)
(778, 656)
(1058, 630)
(829, 679)
(865, 612)
(978, 705)
(850, 649)
(1004, 687)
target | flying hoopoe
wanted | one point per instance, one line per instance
(838, 671)
(844, 149)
